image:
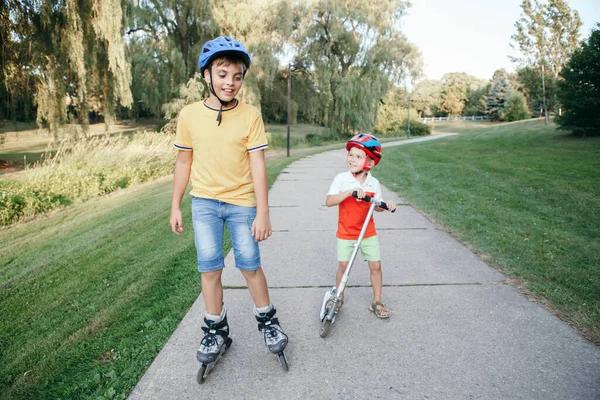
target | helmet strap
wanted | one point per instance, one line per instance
(223, 103)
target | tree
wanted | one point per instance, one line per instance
(500, 90)
(546, 36)
(426, 97)
(528, 80)
(579, 90)
(515, 108)
(76, 56)
(457, 88)
(181, 25)
(357, 53)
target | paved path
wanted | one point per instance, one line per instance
(458, 331)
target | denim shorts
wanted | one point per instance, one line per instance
(209, 218)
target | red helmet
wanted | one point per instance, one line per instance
(367, 143)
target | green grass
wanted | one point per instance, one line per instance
(526, 196)
(296, 130)
(91, 293)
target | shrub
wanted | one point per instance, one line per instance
(515, 108)
(83, 170)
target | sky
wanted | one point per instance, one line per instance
(473, 36)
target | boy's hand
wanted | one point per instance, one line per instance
(261, 227)
(390, 205)
(360, 194)
(176, 221)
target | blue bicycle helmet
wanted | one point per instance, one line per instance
(222, 46)
(219, 47)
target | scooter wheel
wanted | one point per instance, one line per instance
(200, 377)
(325, 327)
(283, 361)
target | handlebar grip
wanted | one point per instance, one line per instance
(368, 199)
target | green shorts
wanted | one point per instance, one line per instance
(369, 248)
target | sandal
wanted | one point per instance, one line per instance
(379, 309)
(340, 304)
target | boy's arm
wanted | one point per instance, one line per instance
(183, 167)
(335, 199)
(261, 227)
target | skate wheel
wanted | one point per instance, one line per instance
(283, 361)
(325, 327)
(201, 374)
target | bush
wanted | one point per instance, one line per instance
(418, 128)
(83, 170)
(515, 108)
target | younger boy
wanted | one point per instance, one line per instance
(364, 152)
(221, 144)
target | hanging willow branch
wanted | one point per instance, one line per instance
(107, 22)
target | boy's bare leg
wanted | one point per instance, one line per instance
(376, 279)
(212, 290)
(340, 272)
(257, 285)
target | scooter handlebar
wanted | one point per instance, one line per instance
(369, 199)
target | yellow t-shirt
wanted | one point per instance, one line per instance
(221, 161)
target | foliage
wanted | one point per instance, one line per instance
(528, 80)
(460, 90)
(426, 97)
(579, 90)
(500, 90)
(392, 114)
(75, 53)
(515, 108)
(81, 170)
(17, 84)
(546, 36)
(392, 117)
(418, 128)
(351, 47)
(179, 27)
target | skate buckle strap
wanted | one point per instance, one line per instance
(266, 324)
(215, 328)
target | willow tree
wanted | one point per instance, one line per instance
(264, 26)
(357, 53)
(77, 57)
(182, 25)
(546, 36)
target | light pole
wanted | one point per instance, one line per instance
(296, 65)
(408, 119)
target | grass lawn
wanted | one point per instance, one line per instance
(525, 196)
(296, 130)
(90, 294)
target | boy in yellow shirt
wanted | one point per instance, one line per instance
(221, 143)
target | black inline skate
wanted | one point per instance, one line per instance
(274, 337)
(215, 343)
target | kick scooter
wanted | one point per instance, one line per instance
(329, 308)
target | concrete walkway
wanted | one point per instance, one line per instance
(457, 331)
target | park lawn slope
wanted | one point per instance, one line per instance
(90, 294)
(525, 196)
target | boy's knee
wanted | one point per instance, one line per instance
(375, 266)
(212, 277)
(249, 274)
